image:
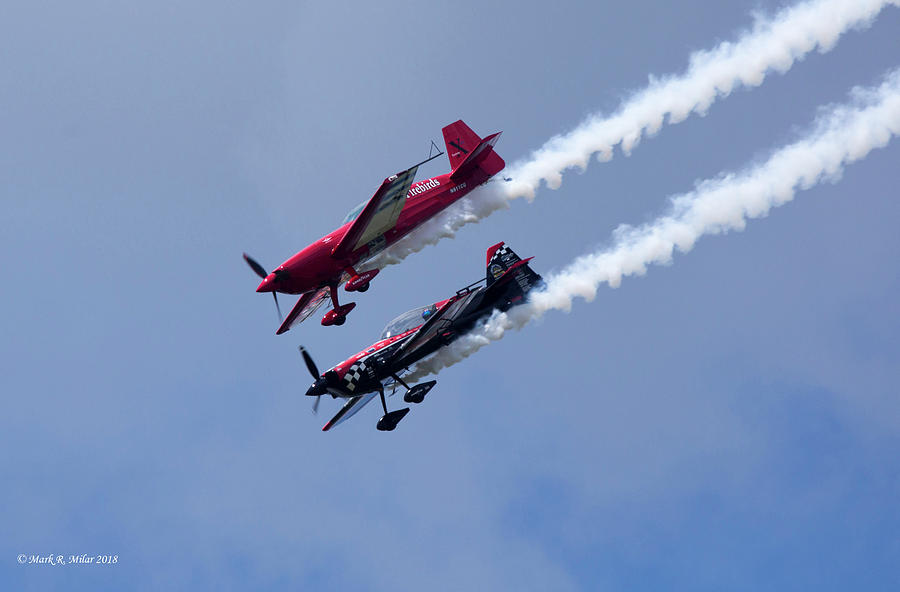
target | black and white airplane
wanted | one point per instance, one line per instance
(417, 334)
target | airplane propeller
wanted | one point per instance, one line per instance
(261, 272)
(314, 371)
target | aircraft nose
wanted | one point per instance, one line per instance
(317, 388)
(268, 284)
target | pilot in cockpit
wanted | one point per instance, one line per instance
(428, 312)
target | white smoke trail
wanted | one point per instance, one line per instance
(841, 135)
(480, 203)
(771, 44)
(774, 43)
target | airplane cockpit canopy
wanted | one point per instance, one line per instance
(408, 320)
(352, 214)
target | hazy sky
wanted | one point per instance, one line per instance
(727, 422)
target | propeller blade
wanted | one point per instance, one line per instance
(278, 308)
(256, 267)
(310, 365)
(316, 405)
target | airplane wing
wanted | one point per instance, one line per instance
(379, 215)
(306, 305)
(349, 410)
(436, 323)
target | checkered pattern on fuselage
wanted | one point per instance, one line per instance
(353, 375)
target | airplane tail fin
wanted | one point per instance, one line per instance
(466, 150)
(505, 267)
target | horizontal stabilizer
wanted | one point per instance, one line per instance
(484, 156)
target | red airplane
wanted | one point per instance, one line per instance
(398, 207)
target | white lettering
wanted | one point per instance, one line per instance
(422, 187)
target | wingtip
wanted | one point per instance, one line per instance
(284, 328)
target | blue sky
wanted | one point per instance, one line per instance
(729, 421)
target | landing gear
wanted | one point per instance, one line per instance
(359, 282)
(417, 393)
(390, 420)
(338, 315)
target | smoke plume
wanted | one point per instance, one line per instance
(841, 135)
(771, 44)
